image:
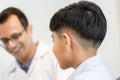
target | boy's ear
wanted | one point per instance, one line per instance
(66, 39)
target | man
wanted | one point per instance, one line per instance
(77, 31)
(32, 60)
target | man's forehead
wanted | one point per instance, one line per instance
(9, 32)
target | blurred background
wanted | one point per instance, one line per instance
(39, 13)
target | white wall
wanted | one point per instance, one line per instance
(39, 13)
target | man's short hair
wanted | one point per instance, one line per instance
(5, 14)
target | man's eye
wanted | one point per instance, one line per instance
(15, 36)
(5, 40)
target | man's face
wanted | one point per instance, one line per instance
(61, 52)
(17, 41)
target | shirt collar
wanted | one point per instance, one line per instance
(25, 68)
(86, 65)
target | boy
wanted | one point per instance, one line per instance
(78, 31)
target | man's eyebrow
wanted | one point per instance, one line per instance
(10, 36)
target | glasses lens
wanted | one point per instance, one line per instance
(1, 43)
(14, 37)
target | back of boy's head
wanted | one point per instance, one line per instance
(84, 18)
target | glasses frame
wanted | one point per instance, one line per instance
(13, 38)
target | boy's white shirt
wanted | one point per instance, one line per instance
(91, 69)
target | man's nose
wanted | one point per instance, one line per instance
(11, 44)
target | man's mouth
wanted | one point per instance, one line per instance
(17, 50)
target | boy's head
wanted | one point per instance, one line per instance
(79, 26)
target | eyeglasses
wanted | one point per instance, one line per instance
(4, 41)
